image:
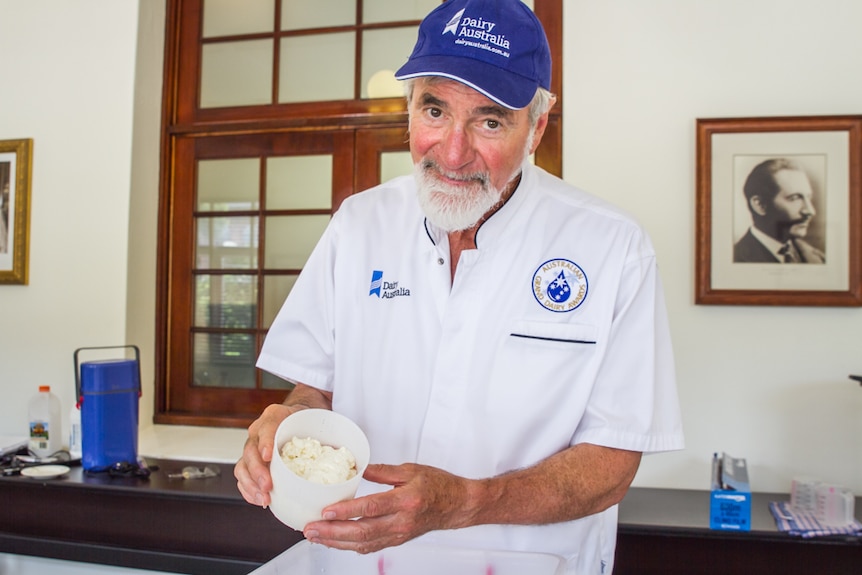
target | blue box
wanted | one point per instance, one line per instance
(730, 496)
(110, 392)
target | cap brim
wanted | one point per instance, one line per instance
(507, 89)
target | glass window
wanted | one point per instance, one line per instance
(375, 11)
(393, 164)
(275, 289)
(236, 74)
(272, 382)
(318, 14)
(225, 185)
(226, 301)
(224, 360)
(225, 243)
(317, 67)
(383, 52)
(290, 240)
(299, 183)
(229, 17)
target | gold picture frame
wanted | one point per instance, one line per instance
(733, 156)
(16, 168)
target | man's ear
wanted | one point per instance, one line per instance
(756, 206)
(541, 124)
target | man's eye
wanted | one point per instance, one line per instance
(492, 124)
(435, 112)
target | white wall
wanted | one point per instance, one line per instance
(66, 82)
(637, 72)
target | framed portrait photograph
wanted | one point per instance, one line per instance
(15, 173)
(779, 213)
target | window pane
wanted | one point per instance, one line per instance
(395, 10)
(236, 74)
(228, 301)
(228, 184)
(269, 381)
(318, 14)
(227, 243)
(224, 360)
(290, 239)
(229, 17)
(383, 52)
(275, 290)
(305, 58)
(393, 164)
(299, 183)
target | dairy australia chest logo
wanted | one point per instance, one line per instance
(386, 289)
(477, 33)
(560, 285)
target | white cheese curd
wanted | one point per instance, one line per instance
(311, 460)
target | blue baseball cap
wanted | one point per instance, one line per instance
(497, 47)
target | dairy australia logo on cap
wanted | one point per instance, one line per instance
(477, 33)
(452, 25)
(385, 289)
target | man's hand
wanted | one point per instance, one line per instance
(252, 470)
(423, 499)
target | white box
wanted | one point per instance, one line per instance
(411, 558)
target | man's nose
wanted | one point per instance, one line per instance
(808, 208)
(456, 148)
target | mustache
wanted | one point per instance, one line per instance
(797, 221)
(429, 165)
(783, 228)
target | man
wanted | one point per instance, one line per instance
(4, 218)
(499, 335)
(779, 197)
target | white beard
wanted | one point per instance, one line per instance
(454, 208)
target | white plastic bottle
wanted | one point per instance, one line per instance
(46, 432)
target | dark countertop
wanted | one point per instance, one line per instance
(646, 509)
(666, 531)
(178, 525)
(158, 482)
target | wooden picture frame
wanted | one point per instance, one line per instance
(741, 225)
(16, 167)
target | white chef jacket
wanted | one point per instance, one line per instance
(553, 333)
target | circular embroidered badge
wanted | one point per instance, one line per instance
(560, 285)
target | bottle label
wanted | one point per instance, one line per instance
(39, 435)
(75, 439)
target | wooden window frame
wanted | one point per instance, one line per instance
(377, 124)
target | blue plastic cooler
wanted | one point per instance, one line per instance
(109, 392)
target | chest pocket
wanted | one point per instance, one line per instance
(548, 354)
(552, 364)
(551, 333)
